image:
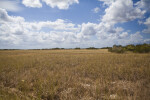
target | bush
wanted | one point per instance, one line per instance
(130, 47)
(55, 48)
(145, 48)
(77, 48)
(142, 48)
(117, 49)
(91, 48)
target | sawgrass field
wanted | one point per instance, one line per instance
(74, 75)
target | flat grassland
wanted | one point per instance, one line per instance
(73, 75)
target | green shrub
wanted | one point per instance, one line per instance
(78, 48)
(117, 49)
(145, 48)
(130, 47)
(91, 48)
(141, 48)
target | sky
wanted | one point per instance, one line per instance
(37, 24)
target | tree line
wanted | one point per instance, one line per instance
(140, 48)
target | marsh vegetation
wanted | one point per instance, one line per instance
(74, 75)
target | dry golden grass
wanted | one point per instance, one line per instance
(73, 75)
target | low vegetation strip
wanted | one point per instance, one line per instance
(74, 75)
(141, 48)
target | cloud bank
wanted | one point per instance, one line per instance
(60, 4)
(16, 32)
(10, 5)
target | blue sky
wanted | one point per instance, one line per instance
(29, 24)
(77, 13)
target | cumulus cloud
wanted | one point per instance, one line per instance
(107, 2)
(122, 11)
(32, 3)
(147, 23)
(147, 41)
(96, 10)
(145, 4)
(4, 17)
(118, 11)
(15, 31)
(88, 29)
(10, 5)
(60, 4)
(59, 25)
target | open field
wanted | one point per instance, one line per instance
(73, 75)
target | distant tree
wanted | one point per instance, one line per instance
(77, 48)
(55, 48)
(144, 48)
(105, 48)
(130, 47)
(117, 49)
(141, 48)
(91, 48)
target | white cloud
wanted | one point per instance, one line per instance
(16, 32)
(6, 18)
(147, 23)
(88, 29)
(145, 4)
(96, 10)
(140, 22)
(32, 3)
(147, 41)
(107, 2)
(10, 5)
(136, 38)
(59, 25)
(122, 11)
(118, 11)
(60, 4)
